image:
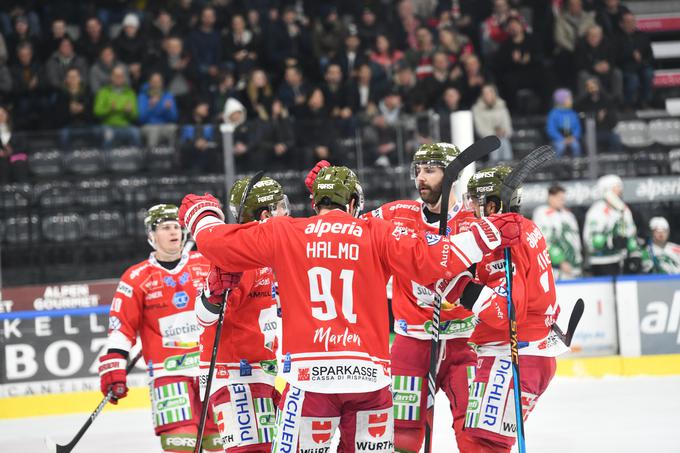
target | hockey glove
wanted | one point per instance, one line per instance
(498, 230)
(314, 172)
(450, 289)
(218, 282)
(195, 207)
(112, 375)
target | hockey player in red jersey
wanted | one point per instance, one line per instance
(332, 270)
(412, 307)
(243, 394)
(491, 415)
(155, 301)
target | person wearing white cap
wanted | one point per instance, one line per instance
(661, 256)
(609, 232)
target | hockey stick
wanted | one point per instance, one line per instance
(510, 184)
(55, 447)
(220, 321)
(472, 153)
(574, 319)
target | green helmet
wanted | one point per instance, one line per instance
(437, 154)
(338, 185)
(266, 194)
(160, 213)
(487, 183)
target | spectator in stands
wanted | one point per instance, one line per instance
(420, 58)
(636, 60)
(22, 33)
(473, 79)
(255, 26)
(494, 32)
(100, 72)
(204, 44)
(369, 28)
(364, 94)
(73, 112)
(609, 232)
(449, 102)
(277, 141)
(518, 65)
(223, 90)
(63, 59)
(570, 25)
(130, 47)
(294, 90)
(661, 256)
(199, 141)
(258, 95)
(608, 16)
(560, 229)
(162, 28)
(433, 85)
(596, 103)
(53, 40)
(384, 56)
(3, 50)
(351, 57)
(327, 36)
(456, 45)
(289, 41)
(335, 93)
(405, 82)
(5, 74)
(178, 73)
(405, 27)
(92, 42)
(491, 117)
(386, 121)
(115, 106)
(241, 46)
(28, 87)
(316, 134)
(596, 57)
(13, 157)
(157, 112)
(563, 125)
(234, 121)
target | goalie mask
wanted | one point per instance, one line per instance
(338, 185)
(266, 195)
(485, 186)
(158, 214)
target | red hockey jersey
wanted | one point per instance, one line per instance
(158, 305)
(533, 294)
(412, 302)
(247, 349)
(332, 270)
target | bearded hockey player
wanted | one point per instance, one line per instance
(243, 394)
(332, 269)
(412, 307)
(490, 414)
(155, 301)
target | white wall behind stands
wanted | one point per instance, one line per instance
(630, 315)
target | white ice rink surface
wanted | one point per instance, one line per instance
(622, 415)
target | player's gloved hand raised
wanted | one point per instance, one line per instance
(498, 230)
(314, 172)
(218, 282)
(112, 375)
(195, 207)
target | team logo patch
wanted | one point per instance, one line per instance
(432, 238)
(322, 430)
(180, 299)
(303, 374)
(124, 289)
(403, 325)
(501, 291)
(169, 281)
(184, 278)
(406, 393)
(114, 323)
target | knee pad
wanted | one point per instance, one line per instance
(180, 439)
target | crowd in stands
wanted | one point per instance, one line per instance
(292, 77)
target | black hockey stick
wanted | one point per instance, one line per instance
(55, 447)
(574, 319)
(511, 183)
(220, 321)
(472, 153)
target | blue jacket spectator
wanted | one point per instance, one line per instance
(563, 125)
(154, 104)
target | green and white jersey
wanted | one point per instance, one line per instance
(561, 232)
(662, 260)
(603, 224)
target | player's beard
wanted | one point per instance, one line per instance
(430, 194)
